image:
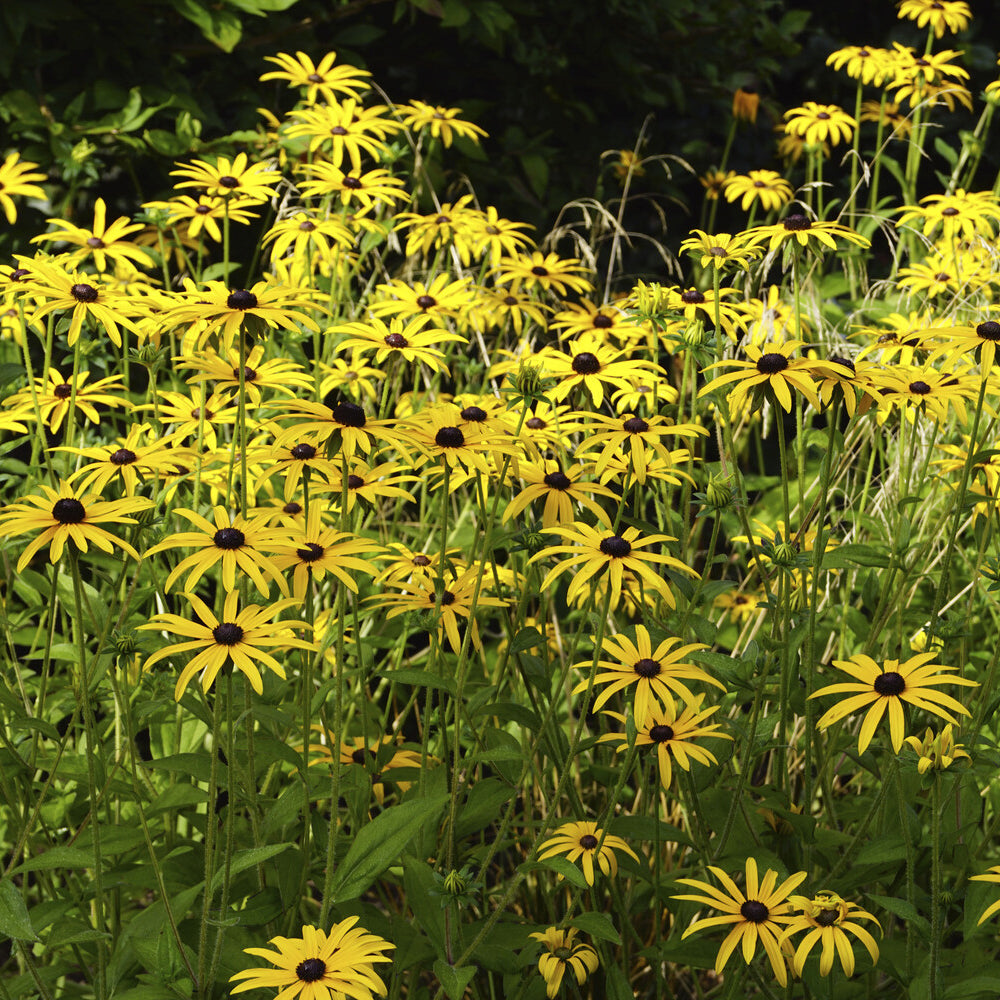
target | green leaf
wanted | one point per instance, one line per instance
(453, 978)
(55, 858)
(249, 858)
(617, 984)
(221, 27)
(14, 920)
(902, 909)
(380, 843)
(526, 638)
(422, 678)
(598, 926)
(976, 987)
(567, 869)
(482, 805)
(418, 881)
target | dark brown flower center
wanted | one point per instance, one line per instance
(94, 242)
(338, 130)
(396, 340)
(310, 552)
(846, 362)
(942, 276)
(827, 918)
(661, 734)
(349, 414)
(353, 183)
(292, 507)
(359, 755)
(796, 223)
(823, 116)
(354, 482)
(228, 181)
(646, 667)
(889, 684)
(615, 546)
(426, 301)
(754, 911)
(311, 970)
(227, 634)
(772, 363)
(62, 391)
(249, 374)
(68, 510)
(307, 226)
(303, 452)
(540, 272)
(586, 363)
(229, 538)
(509, 300)
(557, 481)
(122, 457)
(447, 598)
(692, 297)
(602, 322)
(588, 842)
(84, 293)
(949, 211)
(474, 414)
(240, 298)
(635, 425)
(988, 330)
(449, 437)
(535, 423)
(920, 388)
(421, 560)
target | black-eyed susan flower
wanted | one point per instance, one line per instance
(320, 966)
(865, 63)
(886, 687)
(444, 436)
(925, 389)
(936, 751)
(771, 367)
(696, 305)
(313, 550)
(376, 484)
(302, 234)
(827, 921)
(804, 231)
(17, 178)
(655, 673)
(277, 374)
(587, 319)
(343, 428)
(746, 103)
(355, 190)
(103, 243)
(764, 187)
(714, 182)
(547, 272)
(980, 340)
(671, 737)
(585, 842)
(236, 179)
(343, 130)
(939, 15)
(562, 952)
(240, 638)
(594, 367)
(494, 236)
(406, 338)
(200, 216)
(447, 227)
(54, 392)
(421, 594)
(993, 875)
(760, 914)
(322, 79)
(233, 543)
(442, 297)
(963, 214)
(67, 515)
(889, 115)
(609, 551)
(441, 122)
(562, 487)
(818, 123)
(380, 756)
(721, 250)
(740, 604)
(184, 413)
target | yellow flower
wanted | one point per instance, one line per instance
(722, 249)
(564, 951)
(442, 122)
(827, 920)
(765, 186)
(885, 687)
(802, 230)
(16, 179)
(941, 15)
(545, 271)
(746, 102)
(102, 243)
(237, 179)
(758, 915)
(818, 123)
(993, 876)
(321, 79)
(936, 751)
(585, 841)
(962, 214)
(861, 62)
(714, 182)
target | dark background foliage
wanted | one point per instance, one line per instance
(113, 91)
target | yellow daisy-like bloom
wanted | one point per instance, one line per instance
(320, 966)
(233, 542)
(760, 914)
(722, 249)
(771, 367)
(561, 488)
(890, 114)
(401, 338)
(608, 550)
(380, 757)
(495, 237)
(827, 920)
(235, 179)
(671, 736)
(16, 178)
(315, 550)
(980, 340)
(818, 123)
(343, 130)
(696, 305)
(740, 606)
(931, 280)
(885, 687)
(587, 319)
(941, 15)
(356, 190)
(547, 272)
(102, 243)
(446, 437)
(861, 62)
(239, 638)
(767, 187)
(448, 226)
(936, 751)
(346, 423)
(277, 374)
(593, 367)
(992, 876)
(55, 392)
(802, 230)
(442, 297)
(963, 214)
(321, 79)
(746, 103)
(564, 951)
(658, 674)
(66, 516)
(714, 182)
(303, 234)
(915, 71)
(201, 215)
(579, 841)
(912, 388)
(443, 123)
